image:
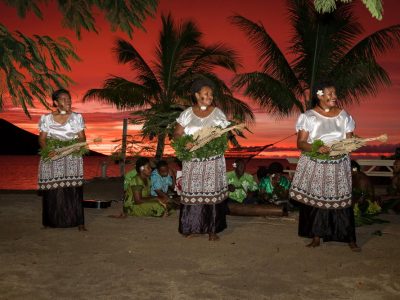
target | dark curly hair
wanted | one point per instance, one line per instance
(56, 94)
(140, 162)
(321, 85)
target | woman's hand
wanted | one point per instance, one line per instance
(52, 153)
(324, 149)
(189, 145)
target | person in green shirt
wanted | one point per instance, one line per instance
(275, 186)
(138, 200)
(241, 185)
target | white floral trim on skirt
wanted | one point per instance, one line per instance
(204, 181)
(61, 173)
(322, 183)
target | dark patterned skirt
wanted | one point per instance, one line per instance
(329, 224)
(202, 218)
(204, 190)
(323, 190)
(60, 182)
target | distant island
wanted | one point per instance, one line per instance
(17, 141)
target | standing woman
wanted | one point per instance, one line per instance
(323, 185)
(204, 185)
(61, 180)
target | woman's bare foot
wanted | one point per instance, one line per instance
(192, 235)
(314, 243)
(353, 247)
(120, 216)
(82, 228)
(213, 237)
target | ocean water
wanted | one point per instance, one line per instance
(19, 172)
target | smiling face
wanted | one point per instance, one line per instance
(63, 103)
(146, 170)
(163, 171)
(204, 97)
(329, 98)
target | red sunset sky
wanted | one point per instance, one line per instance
(374, 116)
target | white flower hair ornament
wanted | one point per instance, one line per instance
(141, 168)
(234, 165)
(354, 169)
(320, 92)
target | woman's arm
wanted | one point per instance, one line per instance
(349, 135)
(303, 145)
(82, 136)
(137, 196)
(42, 139)
(179, 130)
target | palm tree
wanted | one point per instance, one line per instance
(325, 46)
(31, 67)
(161, 91)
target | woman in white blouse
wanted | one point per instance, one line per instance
(204, 184)
(61, 180)
(323, 185)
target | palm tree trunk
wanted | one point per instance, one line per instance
(160, 146)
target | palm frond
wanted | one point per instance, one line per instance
(122, 93)
(269, 93)
(271, 58)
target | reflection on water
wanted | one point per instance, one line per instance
(21, 172)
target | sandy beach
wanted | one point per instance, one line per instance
(146, 258)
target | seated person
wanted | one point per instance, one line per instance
(262, 172)
(162, 183)
(138, 199)
(275, 186)
(363, 188)
(241, 185)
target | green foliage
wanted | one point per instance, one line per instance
(329, 46)
(52, 144)
(31, 67)
(365, 213)
(314, 151)
(215, 147)
(326, 6)
(122, 15)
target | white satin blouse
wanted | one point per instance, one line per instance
(192, 123)
(327, 129)
(64, 132)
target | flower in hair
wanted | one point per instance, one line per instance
(234, 165)
(141, 168)
(320, 92)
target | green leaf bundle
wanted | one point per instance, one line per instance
(53, 144)
(215, 147)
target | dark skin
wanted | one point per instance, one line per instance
(164, 172)
(239, 171)
(144, 174)
(361, 182)
(63, 104)
(327, 101)
(203, 98)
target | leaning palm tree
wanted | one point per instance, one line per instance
(325, 46)
(159, 92)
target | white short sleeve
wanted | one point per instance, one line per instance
(350, 124)
(43, 124)
(304, 122)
